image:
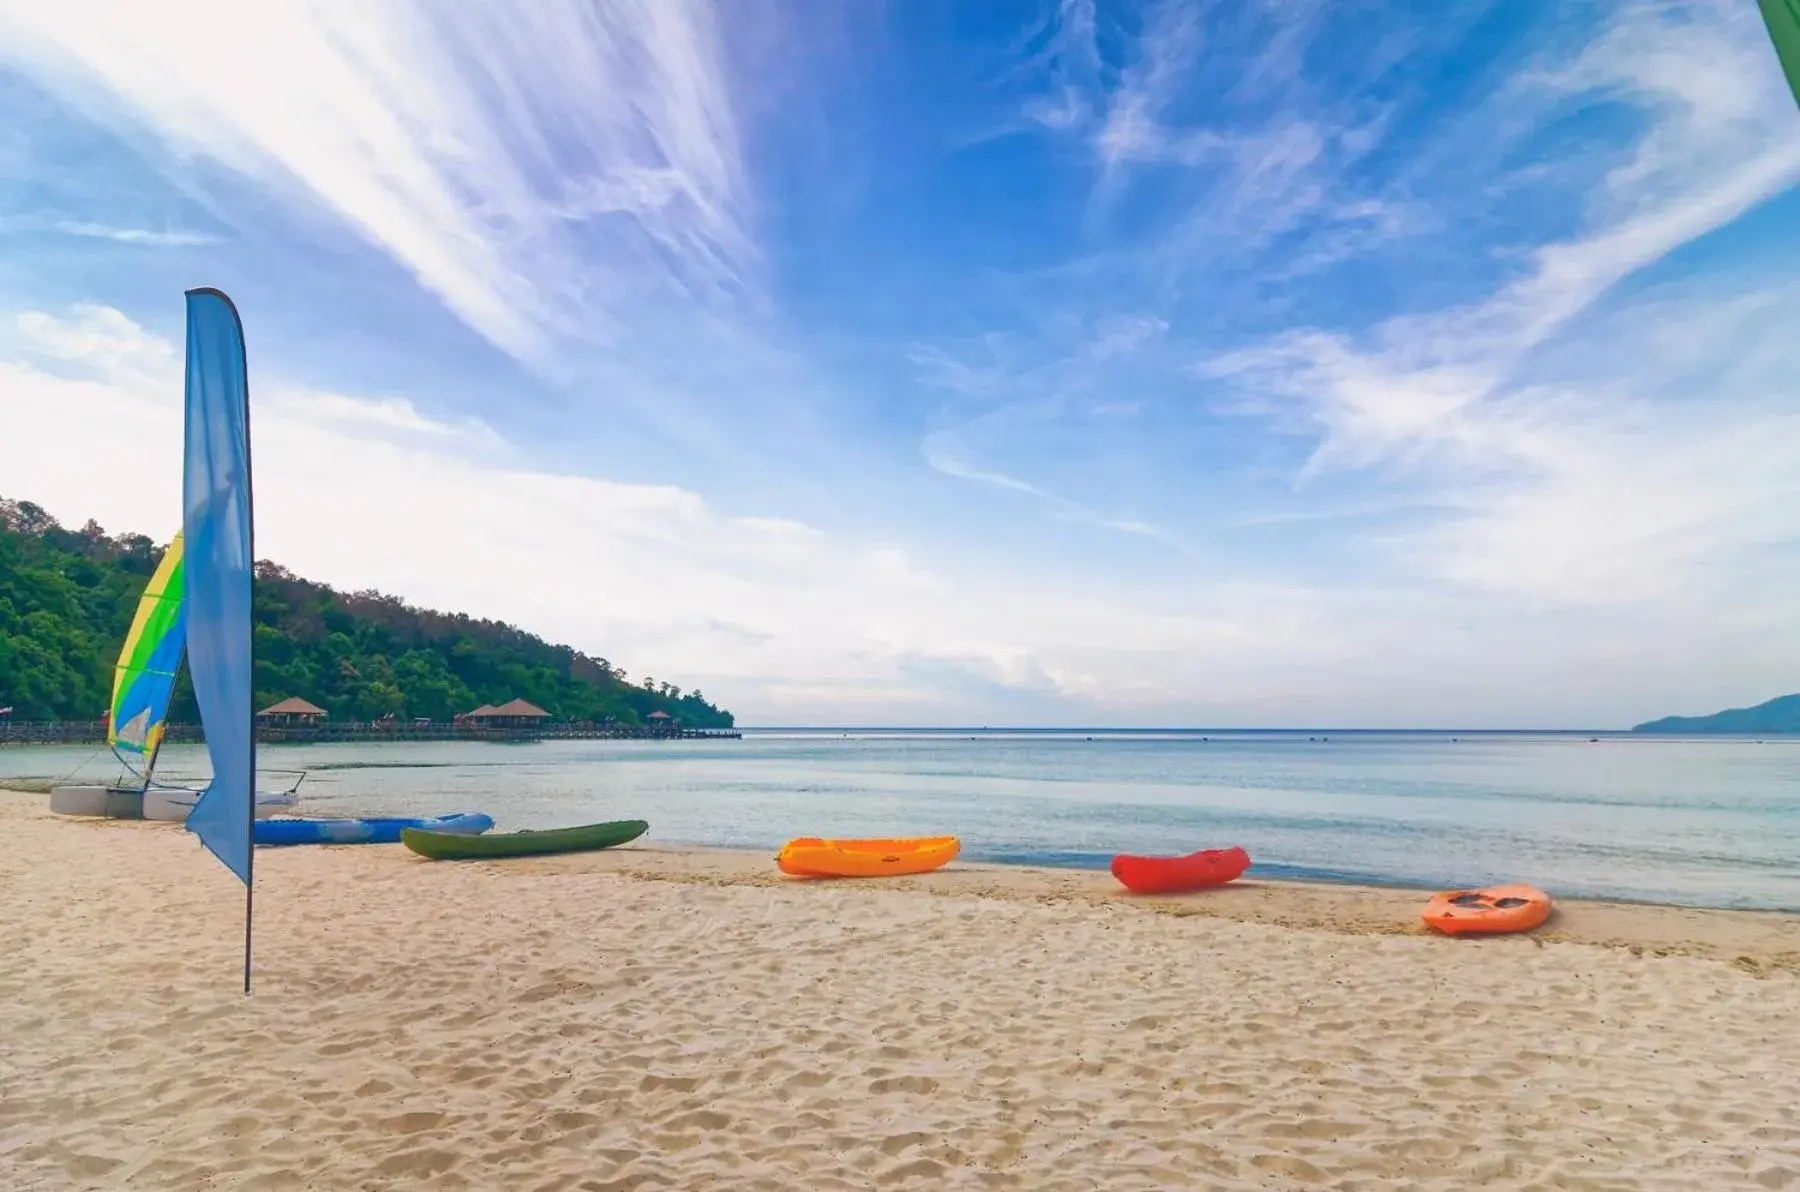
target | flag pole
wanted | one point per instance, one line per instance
(249, 915)
(250, 647)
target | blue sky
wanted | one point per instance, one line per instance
(1079, 363)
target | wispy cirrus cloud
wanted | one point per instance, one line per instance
(1007, 391)
(165, 238)
(945, 453)
(1214, 167)
(111, 232)
(537, 169)
(1215, 104)
(1441, 345)
(1573, 491)
(568, 182)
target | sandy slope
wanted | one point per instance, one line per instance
(555, 1025)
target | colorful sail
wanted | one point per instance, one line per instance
(1783, 20)
(144, 678)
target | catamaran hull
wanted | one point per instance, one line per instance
(173, 806)
(113, 802)
(110, 802)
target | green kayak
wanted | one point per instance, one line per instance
(447, 846)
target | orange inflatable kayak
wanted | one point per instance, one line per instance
(1174, 875)
(809, 856)
(1487, 912)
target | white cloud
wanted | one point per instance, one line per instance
(777, 618)
(98, 339)
(787, 624)
(395, 414)
(1133, 130)
(1571, 486)
(944, 453)
(1070, 55)
(1221, 94)
(1591, 492)
(115, 233)
(1031, 383)
(1120, 335)
(167, 238)
(536, 167)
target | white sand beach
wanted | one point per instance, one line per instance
(688, 1019)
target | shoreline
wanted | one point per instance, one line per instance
(1755, 941)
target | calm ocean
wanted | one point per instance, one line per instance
(1703, 822)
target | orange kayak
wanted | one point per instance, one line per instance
(809, 856)
(1175, 875)
(1487, 912)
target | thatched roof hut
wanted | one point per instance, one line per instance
(292, 711)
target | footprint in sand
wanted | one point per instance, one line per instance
(697, 1119)
(806, 1078)
(414, 1123)
(680, 1084)
(893, 1144)
(918, 1169)
(424, 1162)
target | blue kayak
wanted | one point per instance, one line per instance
(361, 831)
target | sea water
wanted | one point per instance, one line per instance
(1702, 822)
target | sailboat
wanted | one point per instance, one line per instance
(143, 683)
(142, 730)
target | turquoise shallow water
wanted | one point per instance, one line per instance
(1702, 822)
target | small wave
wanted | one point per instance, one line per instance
(1062, 859)
(409, 765)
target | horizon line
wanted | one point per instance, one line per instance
(1050, 728)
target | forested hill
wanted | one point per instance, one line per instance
(67, 598)
(1779, 715)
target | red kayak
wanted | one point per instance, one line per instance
(1173, 875)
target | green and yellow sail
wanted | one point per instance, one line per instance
(144, 679)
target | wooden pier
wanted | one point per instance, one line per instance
(93, 732)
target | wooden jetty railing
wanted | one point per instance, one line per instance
(92, 732)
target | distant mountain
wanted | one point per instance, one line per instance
(1779, 715)
(67, 598)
